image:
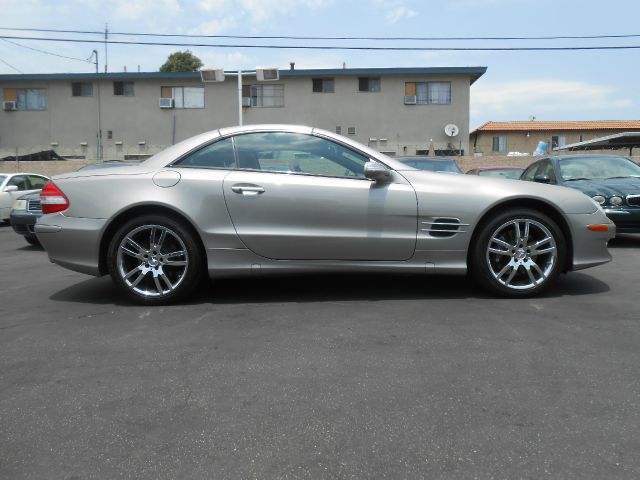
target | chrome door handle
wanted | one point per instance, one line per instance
(247, 189)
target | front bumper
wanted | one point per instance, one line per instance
(590, 247)
(627, 219)
(23, 222)
(72, 242)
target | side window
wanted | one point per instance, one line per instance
(297, 153)
(19, 181)
(36, 182)
(530, 173)
(546, 168)
(215, 155)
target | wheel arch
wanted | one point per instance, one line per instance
(534, 204)
(146, 209)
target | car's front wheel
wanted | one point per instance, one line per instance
(155, 259)
(518, 253)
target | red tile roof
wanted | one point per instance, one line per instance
(550, 126)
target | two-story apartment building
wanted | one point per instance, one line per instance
(133, 115)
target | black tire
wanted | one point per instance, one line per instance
(517, 261)
(158, 268)
(33, 240)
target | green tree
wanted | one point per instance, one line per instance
(181, 62)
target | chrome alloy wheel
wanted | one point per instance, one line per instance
(152, 260)
(521, 254)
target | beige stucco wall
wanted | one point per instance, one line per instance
(519, 142)
(69, 121)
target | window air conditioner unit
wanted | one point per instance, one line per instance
(212, 75)
(265, 74)
(166, 103)
(9, 105)
(246, 101)
(410, 100)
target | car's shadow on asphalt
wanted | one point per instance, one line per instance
(322, 288)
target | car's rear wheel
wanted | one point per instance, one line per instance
(518, 253)
(155, 259)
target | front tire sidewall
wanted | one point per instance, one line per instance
(194, 270)
(480, 268)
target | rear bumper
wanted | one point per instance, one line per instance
(590, 247)
(71, 242)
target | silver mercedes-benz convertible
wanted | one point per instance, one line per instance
(281, 199)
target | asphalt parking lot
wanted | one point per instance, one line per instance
(319, 377)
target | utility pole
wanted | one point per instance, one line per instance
(99, 132)
(106, 36)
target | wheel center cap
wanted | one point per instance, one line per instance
(521, 254)
(153, 261)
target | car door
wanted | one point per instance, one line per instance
(7, 198)
(301, 197)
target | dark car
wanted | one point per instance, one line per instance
(26, 210)
(612, 181)
(433, 164)
(500, 172)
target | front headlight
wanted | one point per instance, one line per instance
(20, 205)
(615, 201)
(599, 199)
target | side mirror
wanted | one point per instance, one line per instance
(542, 179)
(11, 188)
(376, 171)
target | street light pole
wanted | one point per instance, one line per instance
(240, 97)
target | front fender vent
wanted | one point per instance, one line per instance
(443, 227)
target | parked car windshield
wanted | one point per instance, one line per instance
(597, 168)
(433, 165)
(513, 173)
(2, 178)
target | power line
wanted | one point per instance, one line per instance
(290, 37)
(9, 65)
(332, 47)
(87, 60)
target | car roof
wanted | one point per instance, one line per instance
(22, 173)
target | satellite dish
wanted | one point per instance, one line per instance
(451, 130)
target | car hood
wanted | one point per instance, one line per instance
(472, 192)
(30, 196)
(608, 188)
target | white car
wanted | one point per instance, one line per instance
(14, 185)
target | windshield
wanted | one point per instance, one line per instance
(597, 168)
(434, 165)
(513, 173)
(2, 179)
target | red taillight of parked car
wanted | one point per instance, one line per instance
(52, 199)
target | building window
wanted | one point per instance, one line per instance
(184, 97)
(558, 141)
(323, 85)
(499, 144)
(368, 84)
(339, 130)
(267, 96)
(82, 89)
(429, 93)
(29, 98)
(351, 130)
(124, 89)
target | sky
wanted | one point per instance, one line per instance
(560, 85)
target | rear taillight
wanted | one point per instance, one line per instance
(52, 199)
